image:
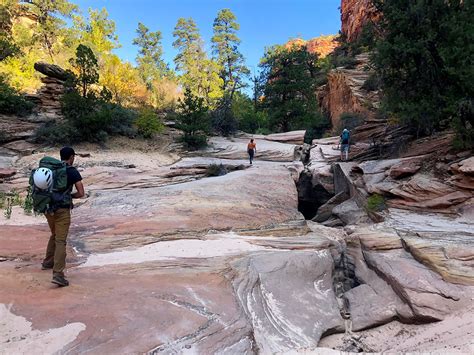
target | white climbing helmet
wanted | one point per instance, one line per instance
(43, 178)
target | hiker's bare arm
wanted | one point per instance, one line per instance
(80, 190)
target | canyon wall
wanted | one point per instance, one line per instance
(354, 15)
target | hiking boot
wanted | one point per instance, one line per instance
(46, 266)
(60, 281)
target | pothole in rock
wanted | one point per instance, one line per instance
(344, 279)
(310, 197)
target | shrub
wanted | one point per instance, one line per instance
(216, 170)
(375, 203)
(350, 120)
(53, 133)
(251, 122)
(372, 83)
(195, 141)
(91, 119)
(193, 120)
(11, 102)
(463, 123)
(148, 123)
(223, 121)
(316, 128)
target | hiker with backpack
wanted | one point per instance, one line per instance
(344, 143)
(51, 191)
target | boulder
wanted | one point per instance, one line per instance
(350, 213)
(400, 171)
(467, 166)
(51, 70)
(325, 211)
(426, 192)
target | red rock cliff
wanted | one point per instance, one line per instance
(323, 45)
(354, 15)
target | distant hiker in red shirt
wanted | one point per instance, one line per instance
(251, 149)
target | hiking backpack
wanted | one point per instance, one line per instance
(345, 137)
(46, 201)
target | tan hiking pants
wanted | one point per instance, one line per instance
(59, 223)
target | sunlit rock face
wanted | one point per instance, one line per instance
(344, 92)
(322, 46)
(354, 15)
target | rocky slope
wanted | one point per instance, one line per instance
(180, 261)
(344, 93)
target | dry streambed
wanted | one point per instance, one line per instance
(167, 260)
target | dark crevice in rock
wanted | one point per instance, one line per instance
(310, 196)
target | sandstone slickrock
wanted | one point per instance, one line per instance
(16, 128)
(7, 173)
(298, 310)
(227, 264)
(428, 295)
(450, 255)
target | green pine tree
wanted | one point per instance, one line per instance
(193, 120)
(225, 43)
(290, 79)
(198, 73)
(86, 67)
(150, 62)
(424, 60)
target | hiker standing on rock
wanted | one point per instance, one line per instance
(251, 150)
(345, 142)
(52, 195)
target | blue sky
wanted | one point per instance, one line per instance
(262, 22)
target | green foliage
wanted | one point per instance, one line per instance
(248, 119)
(463, 123)
(350, 120)
(425, 61)
(198, 73)
(7, 48)
(225, 43)
(87, 119)
(150, 62)
(316, 128)
(193, 120)
(375, 203)
(28, 203)
(50, 15)
(8, 200)
(11, 102)
(290, 79)
(87, 68)
(96, 31)
(373, 83)
(223, 121)
(148, 123)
